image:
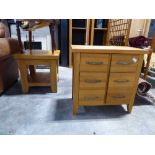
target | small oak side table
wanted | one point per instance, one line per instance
(30, 78)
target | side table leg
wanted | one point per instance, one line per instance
(32, 69)
(24, 77)
(57, 70)
(53, 75)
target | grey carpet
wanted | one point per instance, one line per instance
(43, 112)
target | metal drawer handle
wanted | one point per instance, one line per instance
(118, 97)
(91, 98)
(133, 61)
(92, 81)
(94, 63)
(122, 63)
(121, 81)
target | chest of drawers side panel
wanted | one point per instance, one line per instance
(138, 71)
(76, 79)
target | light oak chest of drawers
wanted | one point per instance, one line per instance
(105, 75)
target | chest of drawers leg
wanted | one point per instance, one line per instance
(76, 70)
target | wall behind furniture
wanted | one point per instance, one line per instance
(152, 28)
(42, 35)
(64, 42)
(139, 27)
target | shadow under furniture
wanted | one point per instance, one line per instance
(63, 111)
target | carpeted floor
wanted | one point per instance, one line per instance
(43, 112)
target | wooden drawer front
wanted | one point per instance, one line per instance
(118, 97)
(94, 62)
(121, 80)
(93, 80)
(91, 97)
(124, 63)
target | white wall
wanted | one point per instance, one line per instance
(139, 27)
(42, 35)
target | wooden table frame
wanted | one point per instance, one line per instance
(147, 64)
(52, 24)
(30, 78)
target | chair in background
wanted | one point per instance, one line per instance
(150, 65)
(30, 25)
(118, 32)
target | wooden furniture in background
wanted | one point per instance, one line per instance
(78, 34)
(105, 75)
(33, 24)
(36, 57)
(89, 32)
(150, 61)
(30, 25)
(98, 33)
(147, 67)
(153, 42)
(118, 32)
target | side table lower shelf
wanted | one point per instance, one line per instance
(39, 79)
(30, 77)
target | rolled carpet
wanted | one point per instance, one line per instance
(143, 91)
(143, 87)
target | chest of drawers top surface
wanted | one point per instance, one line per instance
(108, 49)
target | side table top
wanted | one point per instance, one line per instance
(38, 54)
